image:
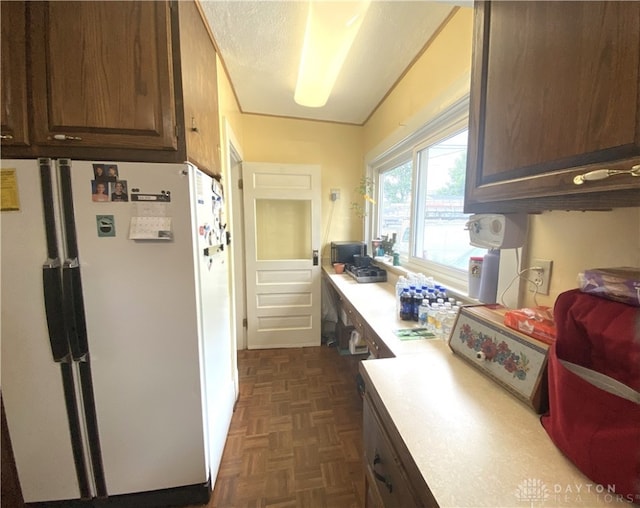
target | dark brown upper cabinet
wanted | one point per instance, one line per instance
(555, 93)
(102, 72)
(200, 90)
(99, 78)
(13, 119)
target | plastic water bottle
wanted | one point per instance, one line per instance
(423, 314)
(447, 325)
(417, 302)
(406, 305)
(441, 292)
(400, 285)
(434, 318)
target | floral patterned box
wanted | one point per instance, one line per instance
(514, 360)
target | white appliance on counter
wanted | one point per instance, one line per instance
(495, 232)
(117, 360)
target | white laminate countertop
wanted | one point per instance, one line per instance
(474, 443)
(377, 305)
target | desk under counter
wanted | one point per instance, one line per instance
(437, 432)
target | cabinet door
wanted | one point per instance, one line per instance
(555, 93)
(102, 73)
(14, 74)
(200, 90)
(385, 476)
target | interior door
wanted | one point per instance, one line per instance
(282, 240)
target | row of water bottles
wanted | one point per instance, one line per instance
(420, 299)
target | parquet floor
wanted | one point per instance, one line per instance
(296, 434)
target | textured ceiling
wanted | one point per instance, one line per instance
(260, 43)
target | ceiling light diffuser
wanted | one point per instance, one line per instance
(331, 29)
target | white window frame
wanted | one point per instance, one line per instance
(390, 164)
(453, 119)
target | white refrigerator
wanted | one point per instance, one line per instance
(117, 361)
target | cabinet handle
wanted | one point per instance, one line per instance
(64, 137)
(601, 174)
(378, 476)
(6, 136)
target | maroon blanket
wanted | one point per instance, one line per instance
(599, 334)
(598, 431)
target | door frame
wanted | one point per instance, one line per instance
(233, 161)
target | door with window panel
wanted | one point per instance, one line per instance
(282, 241)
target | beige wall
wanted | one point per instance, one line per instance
(438, 77)
(336, 148)
(576, 241)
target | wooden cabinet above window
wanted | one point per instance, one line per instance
(555, 94)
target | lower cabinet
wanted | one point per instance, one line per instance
(392, 477)
(386, 480)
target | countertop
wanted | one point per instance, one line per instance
(474, 443)
(376, 304)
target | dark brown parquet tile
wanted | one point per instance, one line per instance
(295, 439)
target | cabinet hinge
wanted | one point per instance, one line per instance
(245, 323)
(240, 184)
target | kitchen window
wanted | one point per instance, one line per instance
(421, 198)
(395, 203)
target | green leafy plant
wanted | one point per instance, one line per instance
(365, 191)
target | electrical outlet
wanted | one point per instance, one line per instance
(541, 278)
(335, 194)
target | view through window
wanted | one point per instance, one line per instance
(440, 234)
(395, 205)
(424, 208)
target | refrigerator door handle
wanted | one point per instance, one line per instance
(74, 309)
(52, 285)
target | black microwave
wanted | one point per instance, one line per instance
(343, 252)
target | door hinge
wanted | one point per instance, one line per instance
(240, 184)
(245, 323)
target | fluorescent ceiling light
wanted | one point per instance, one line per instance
(330, 32)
